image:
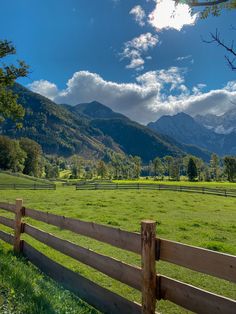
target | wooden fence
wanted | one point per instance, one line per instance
(153, 286)
(27, 186)
(150, 186)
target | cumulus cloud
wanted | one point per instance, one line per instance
(138, 14)
(135, 48)
(167, 14)
(153, 94)
(45, 88)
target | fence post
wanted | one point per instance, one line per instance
(148, 254)
(18, 226)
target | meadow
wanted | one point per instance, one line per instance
(7, 178)
(203, 220)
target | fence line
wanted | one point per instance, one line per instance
(95, 295)
(27, 186)
(145, 279)
(153, 186)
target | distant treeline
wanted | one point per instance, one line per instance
(129, 167)
(26, 156)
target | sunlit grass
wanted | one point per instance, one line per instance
(203, 220)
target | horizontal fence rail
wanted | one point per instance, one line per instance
(122, 239)
(27, 186)
(97, 296)
(6, 237)
(202, 260)
(145, 279)
(153, 186)
(194, 299)
(125, 273)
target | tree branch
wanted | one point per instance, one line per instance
(216, 39)
(206, 3)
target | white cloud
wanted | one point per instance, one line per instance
(138, 14)
(154, 94)
(44, 88)
(135, 48)
(184, 58)
(168, 15)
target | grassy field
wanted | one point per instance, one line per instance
(23, 289)
(6, 178)
(204, 220)
(222, 185)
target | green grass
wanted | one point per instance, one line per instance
(222, 185)
(6, 178)
(24, 290)
(203, 220)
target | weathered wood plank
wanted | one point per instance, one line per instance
(6, 237)
(194, 299)
(125, 273)
(125, 240)
(148, 236)
(95, 295)
(198, 259)
(18, 226)
(7, 222)
(8, 207)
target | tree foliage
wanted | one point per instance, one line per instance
(230, 167)
(12, 157)
(32, 164)
(209, 6)
(9, 108)
(192, 170)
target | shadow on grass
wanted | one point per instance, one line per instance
(23, 289)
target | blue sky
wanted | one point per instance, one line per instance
(92, 44)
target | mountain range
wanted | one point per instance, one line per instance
(91, 130)
(94, 130)
(202, 131)
(224, 124)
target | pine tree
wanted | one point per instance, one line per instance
(192, 170)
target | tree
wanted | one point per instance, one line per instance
(175, 169)
(215, 8)
(33, 150)
(150, 169)
(230, 167)
(168, 162)
(51, 171)
(102, 169)
(158, 167)
(230, 58)
(214, 166)
(210, 6)
(192, 170)
(137, 166)
(12, 157)
(77, 166)
(9, 108)
(200, 167)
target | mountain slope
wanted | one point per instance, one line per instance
(187, 130)
(97, 111)
(132, 137)
(88, 129)
(224, 124)
(56, 128)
